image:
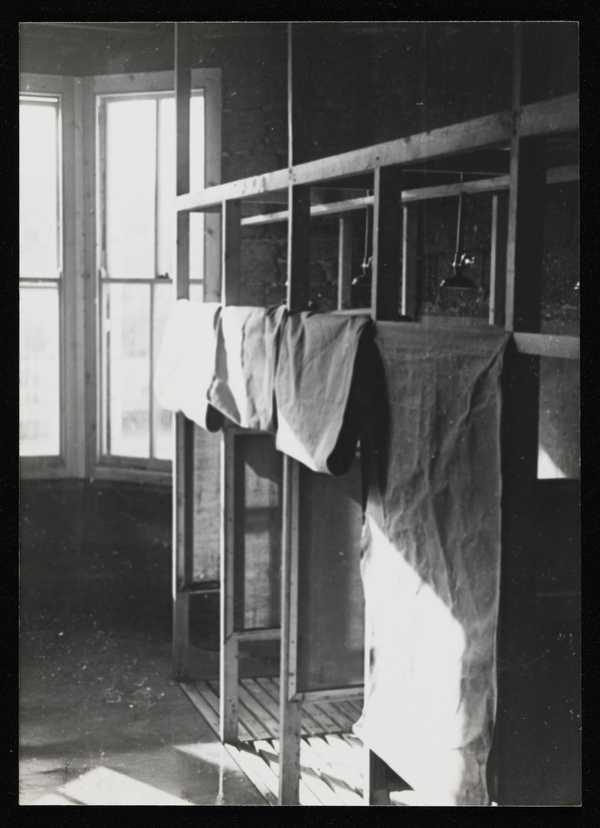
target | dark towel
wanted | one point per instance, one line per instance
(316, 422)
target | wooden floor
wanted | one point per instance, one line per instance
(331, 757)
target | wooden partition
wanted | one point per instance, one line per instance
(320, 656)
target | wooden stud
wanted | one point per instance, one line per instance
(229, 672)
(525, 235)
(410, 272)
(183, 481)
(344, 262)
(387, 235)
(290, 709)
(231, 239)
(497, 260)
(228, 664)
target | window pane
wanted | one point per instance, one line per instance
(558, 451)
(127, 355)
(38, 190)
(130, 187)
(167, 185)
(39, 381)
(164, 297)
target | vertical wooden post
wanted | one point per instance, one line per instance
(231, 234)
(525, 232)
(290, 710)
(228, 662)
(387, 235)
(497, 260)
(183, 480)
(410, 247)
(344, 261)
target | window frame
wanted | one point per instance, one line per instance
(68, 462)
(104, 466)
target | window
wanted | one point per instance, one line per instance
(136, 209)
(97, 237)
(40, 265)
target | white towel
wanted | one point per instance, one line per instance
(187, 361)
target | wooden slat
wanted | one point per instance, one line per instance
(257, 770)
(252, 696)
(350, 711)
(340, 766)
(322, 714)
(341, 715)
(305, 794)
(201, 704)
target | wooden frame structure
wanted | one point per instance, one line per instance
(514, 306)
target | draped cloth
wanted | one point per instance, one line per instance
(430, 561)
(247, 348)
(313, 389)
(187, 362)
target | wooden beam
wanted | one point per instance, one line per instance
(241, 188)
(387, 235)
(344, 262)
(554, 115)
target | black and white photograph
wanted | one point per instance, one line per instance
(299, 512)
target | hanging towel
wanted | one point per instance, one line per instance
(431, 563)
(247, 346)
(187, 362)
(313, 384)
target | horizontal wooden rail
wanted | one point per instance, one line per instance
(555, 175)
(543, 117)
(263, 634)
(547, 345)
(339, 693)
(331, 208)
